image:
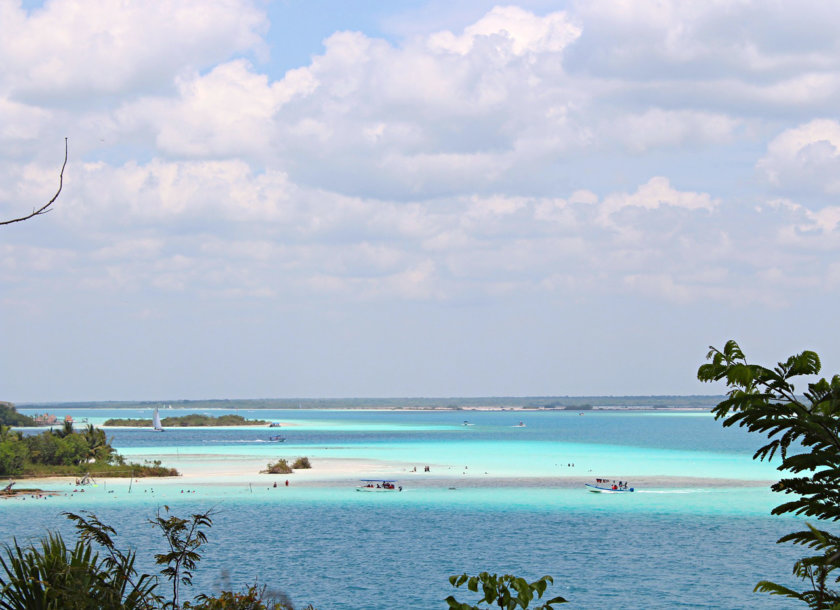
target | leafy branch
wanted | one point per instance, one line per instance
(805, 432)
(184, 537)
(507, 592)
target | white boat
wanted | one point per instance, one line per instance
(156, 421)
(614, 489)
(277, 438)
(378, 485)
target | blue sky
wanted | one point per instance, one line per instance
(425, 198)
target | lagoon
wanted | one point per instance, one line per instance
(499, 497)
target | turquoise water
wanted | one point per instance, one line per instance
(685, 546)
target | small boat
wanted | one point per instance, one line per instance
(613, 489)
(467, 423)
(520, 425)
(277, 438)
(156, 421)
(378, 485)
(275, 424)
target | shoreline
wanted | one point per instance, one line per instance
(488, 408)
(347, 472)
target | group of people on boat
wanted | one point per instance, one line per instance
(383, 485)
(613, 484)
(389, 485)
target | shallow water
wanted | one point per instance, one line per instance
(657, 548)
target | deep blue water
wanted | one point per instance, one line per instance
(344, 555)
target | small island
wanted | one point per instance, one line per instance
(68, 452)
(187, 421)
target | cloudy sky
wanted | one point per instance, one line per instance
(424, 198)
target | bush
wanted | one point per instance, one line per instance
(151, 469)
(279, 467)
(301, 463)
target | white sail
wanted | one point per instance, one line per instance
(156, 421)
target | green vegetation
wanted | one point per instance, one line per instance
(301, 463)
(67, 452)
(192, 420)
(95, 574)
(281, 466)
(499, 591)
(804, 430)
(10, 417)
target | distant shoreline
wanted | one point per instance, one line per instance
(407, 408)
(440, 403)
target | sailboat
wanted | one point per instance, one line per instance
(156, 421)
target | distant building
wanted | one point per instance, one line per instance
(45, 419)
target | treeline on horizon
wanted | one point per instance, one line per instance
(188, 421)
(530, 402)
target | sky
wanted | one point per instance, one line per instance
(349, 198)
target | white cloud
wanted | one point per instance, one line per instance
(226, 191)
(658, 128)
(521, 154)
(746, 38)
(77, 48)
(522, 31)
(654, 194)
(226, 112)
(805, 158)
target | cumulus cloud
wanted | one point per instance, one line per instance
(805, 158)
(524, 151)
(655, 194)
(521, 30)
(71, 49)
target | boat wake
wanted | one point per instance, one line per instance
(672, 491)
(242, 441)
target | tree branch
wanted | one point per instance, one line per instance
(46, 207)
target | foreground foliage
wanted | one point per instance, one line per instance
(805, 433)
(54, 576)
(499, 591)
(95, 574)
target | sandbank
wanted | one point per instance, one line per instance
(209, 470)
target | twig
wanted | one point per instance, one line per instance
(44, 208)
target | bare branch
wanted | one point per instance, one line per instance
(46, 207)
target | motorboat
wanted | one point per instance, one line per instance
(378, 485)
(277, 438)
(611, 489)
